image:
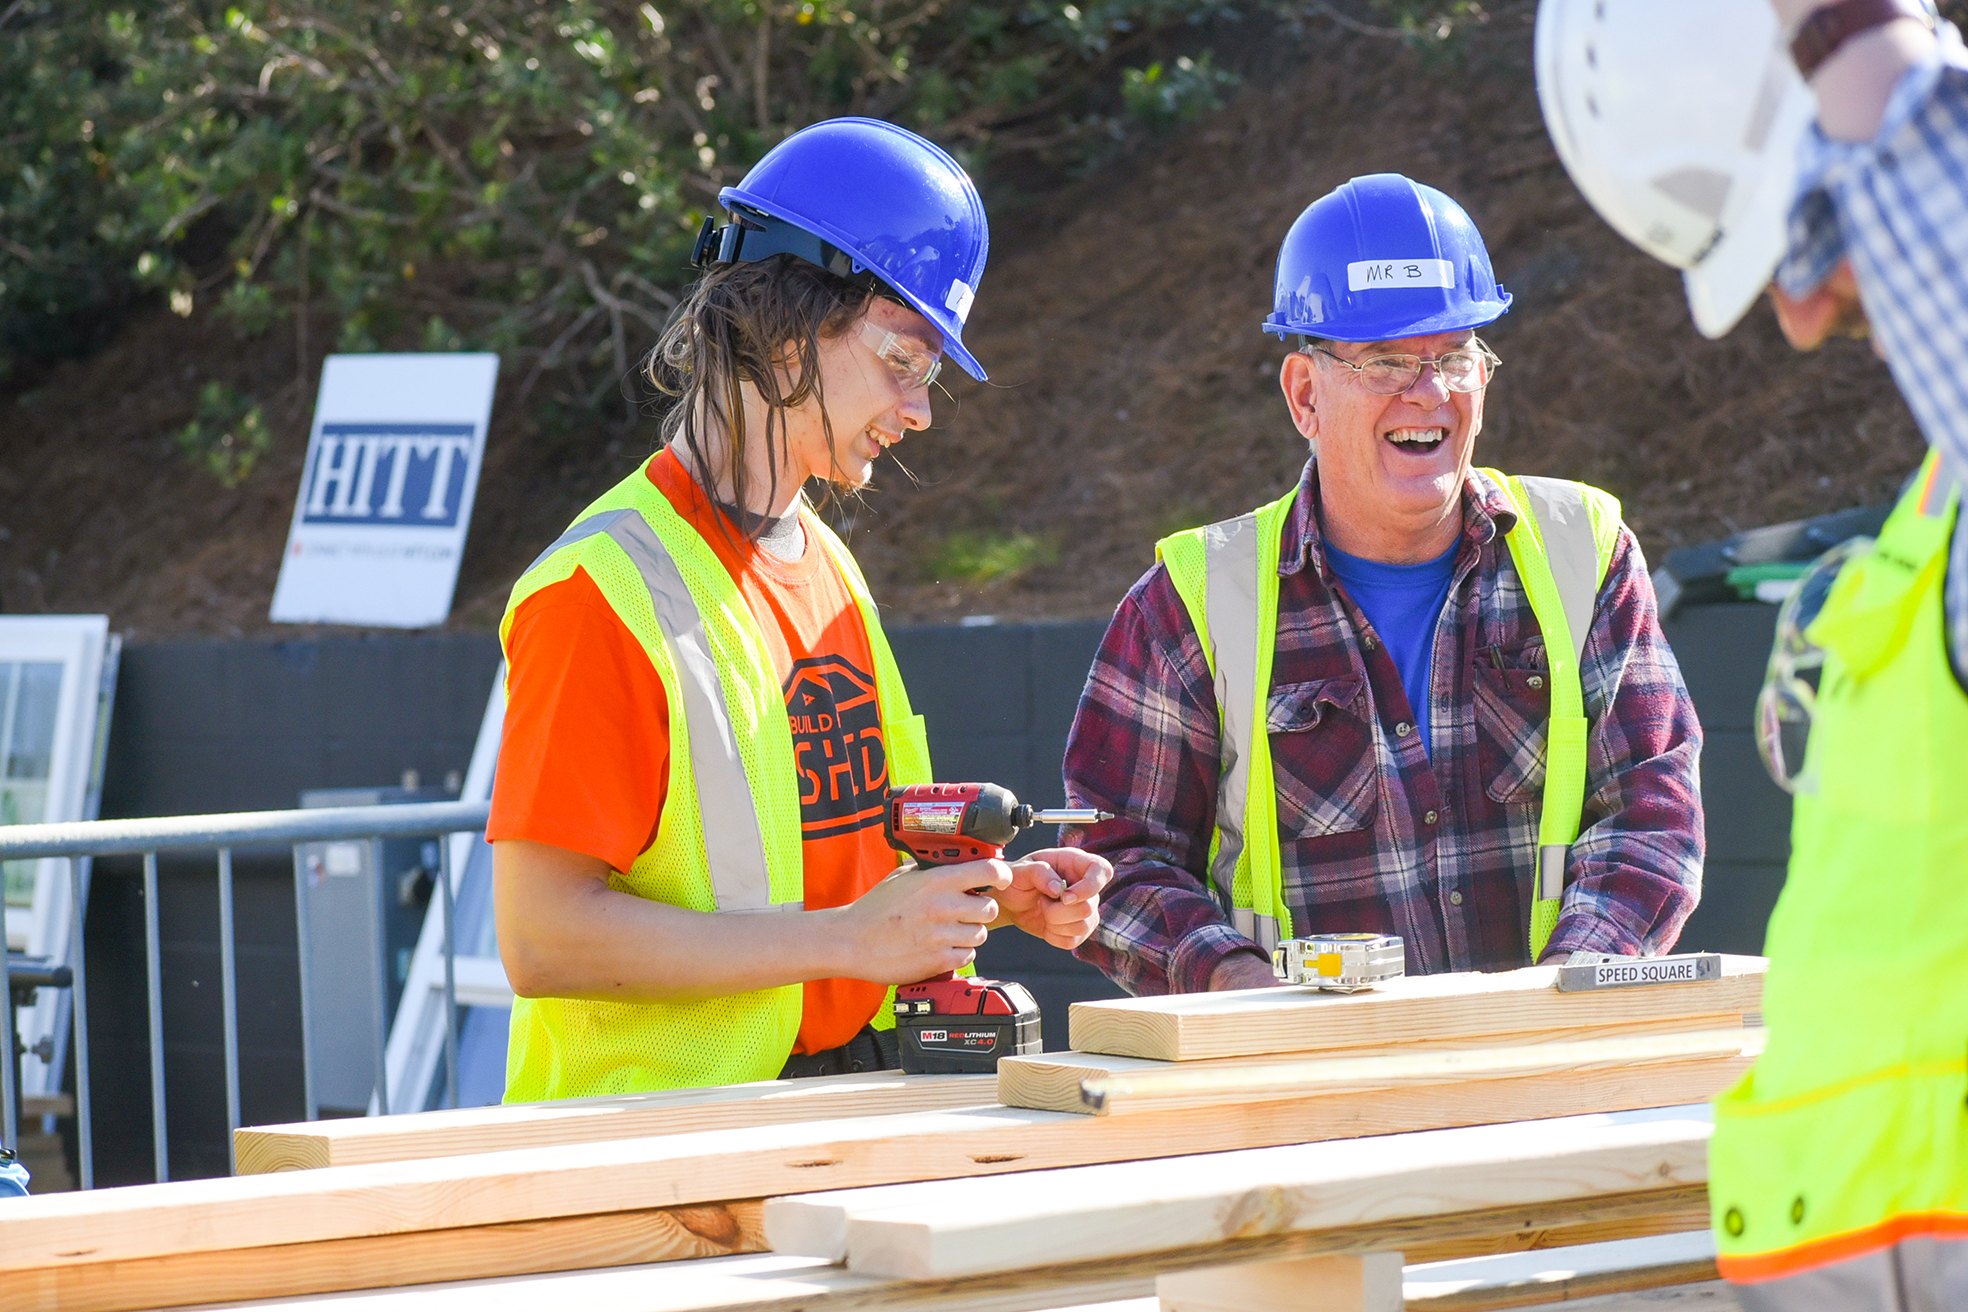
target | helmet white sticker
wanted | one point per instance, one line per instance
(1376, 275)
(959, 298)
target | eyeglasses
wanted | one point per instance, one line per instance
(1466, 369)
(1789, 699)
(912, 368)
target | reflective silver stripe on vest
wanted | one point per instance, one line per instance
(1565, 524)
(1572, 552)
(1230, 610)
(734, 846)
(1921, 1274)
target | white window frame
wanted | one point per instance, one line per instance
(87, 652)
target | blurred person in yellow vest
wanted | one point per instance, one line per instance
(1821, 150)
(691, 881)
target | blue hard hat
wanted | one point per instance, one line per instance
(1382, 258)
(13, 1176)
(856, 195)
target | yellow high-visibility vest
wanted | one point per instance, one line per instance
(729, 836)
(1227, 576)
(1850, 1134)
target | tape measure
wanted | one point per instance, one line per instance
(1340, 963)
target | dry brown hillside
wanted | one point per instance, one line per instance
(1131, 392)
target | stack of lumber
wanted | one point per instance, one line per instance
(1024, 1243)
(1417, 1053)
(673, 1177)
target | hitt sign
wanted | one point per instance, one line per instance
(387, 490)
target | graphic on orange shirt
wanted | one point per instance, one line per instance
(837, 744)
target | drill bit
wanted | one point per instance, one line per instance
(1070, 815)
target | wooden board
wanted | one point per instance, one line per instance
(1594, 1284)
(530, 1184)
(775, 1283)
(356, 1140)
(1179, 1084)
(1248, 1023)
(1520, 1279)
(522, 1248)
(946, 1230)
(1055, 1081)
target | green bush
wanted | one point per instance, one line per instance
(980, 557)
(490, 173)
(228, 436)
(1180, 92)
(505, 174)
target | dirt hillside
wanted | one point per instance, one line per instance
(1131, 394)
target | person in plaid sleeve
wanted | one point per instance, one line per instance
(1409, 685)
(1834, 137)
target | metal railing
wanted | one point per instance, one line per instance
(148, 837)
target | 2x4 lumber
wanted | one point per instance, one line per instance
(1051, 1080)
(357, 1140)
(1419, 1008)
(1589, 1271)
(1178, 1084)
(1599, 1284)
(776, 1283)
(1369, 1282)
(617, 1239)
(344, 1202)
(947, 1230)
(381, 1261)
(1061, 1081)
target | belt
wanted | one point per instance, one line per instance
(870, 1050)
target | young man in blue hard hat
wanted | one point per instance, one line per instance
(1386, 702)
(1834, 137)
(690, 876)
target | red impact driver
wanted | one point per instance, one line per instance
(952, 1025)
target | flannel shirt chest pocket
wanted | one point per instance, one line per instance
(1513, 717)
(1323, 756)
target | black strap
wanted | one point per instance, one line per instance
(755, 235)
(1824, 30)
(870, 1050)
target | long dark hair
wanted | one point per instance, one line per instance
(733, 328)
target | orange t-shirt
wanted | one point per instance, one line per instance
(585, 760)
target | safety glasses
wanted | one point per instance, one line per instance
(1466, 369)
(911, 366)
(1789, 699)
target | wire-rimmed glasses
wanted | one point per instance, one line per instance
(1465, 369)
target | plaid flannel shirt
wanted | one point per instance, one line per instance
(1375, 835)
(1897, 205)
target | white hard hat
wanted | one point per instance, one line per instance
(1680, 121)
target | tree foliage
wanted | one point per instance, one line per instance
(494, 173)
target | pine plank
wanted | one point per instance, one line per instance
(344, 1202)
(382, 1261)
(1052, 1081)
(1417, 1008)
(1591, 1271)
(947, 1230)
(1354, 1282)
(1180, 1084)
(778, 1283)
(1594, 1285)
(353, 1141)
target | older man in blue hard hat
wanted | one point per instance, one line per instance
(1411, 696)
